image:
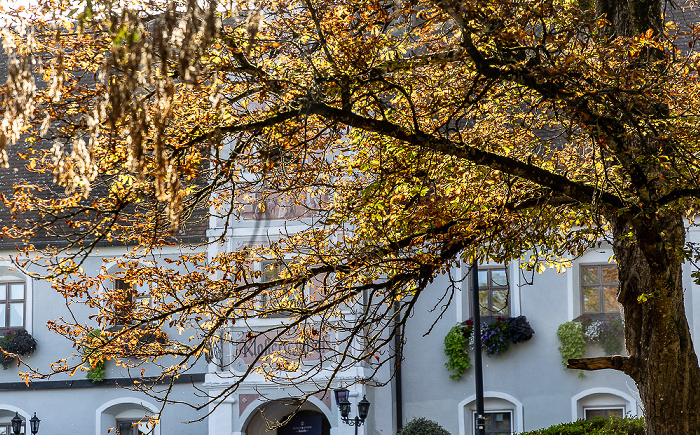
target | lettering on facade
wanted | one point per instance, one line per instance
(262, 345)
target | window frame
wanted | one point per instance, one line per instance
(8, 427)
(135, 425)
(622, 408)
(262, 298)
(495, 411)
(8, 301)
(489, 289)
(133, 299)
(600, 285)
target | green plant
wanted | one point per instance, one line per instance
(597, 426)
(456, 350)
(422, 426)
(573, 343)
(17, 342)
(94, 357)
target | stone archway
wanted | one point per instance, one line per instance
(268, 419)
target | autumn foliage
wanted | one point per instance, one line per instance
(396, 138)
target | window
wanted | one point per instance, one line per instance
(599, 287)
(591, 413)
(12, 305)
(128, 299)
(134, 427)
(6, 428)
(271, 271)
(493, 292)
(126, 416)
(497, 423)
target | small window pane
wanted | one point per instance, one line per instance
(500, 301)
(271, 271)
(125, 428)
(3, 292)
(497, 423)
(610, 299)
(591, 304)
(143, 301)
(16, 315)
(589, 275)
(3, 309)
(17, 291)
(483, 278)
(610, 274)
(499, 278)
(4, 430)
(484, 302)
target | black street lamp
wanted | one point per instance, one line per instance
(341, 399)
(17, 424)
(34, 424)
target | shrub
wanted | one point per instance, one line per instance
(597, 426)
(422, 426)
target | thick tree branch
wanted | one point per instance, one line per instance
(582, 193)
(615, 362)
(678, 194)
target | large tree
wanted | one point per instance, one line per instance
(413, 134)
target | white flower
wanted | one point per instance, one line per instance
(592, 332)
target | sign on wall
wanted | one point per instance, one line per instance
(303, 423)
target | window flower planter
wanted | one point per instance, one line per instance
(577, 335)
(496, 337)
(16, 343)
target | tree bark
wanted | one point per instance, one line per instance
(648, 248)
(661, 360)
(615, 362)
(630, 17)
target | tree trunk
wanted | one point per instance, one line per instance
(662, 360)
(649, 253)
(631, 17)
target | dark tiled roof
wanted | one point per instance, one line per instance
(192, 231)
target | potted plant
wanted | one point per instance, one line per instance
(456, 349)
(14, 343)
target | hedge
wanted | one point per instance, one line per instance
(597, 426)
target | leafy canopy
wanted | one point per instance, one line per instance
(396, 138)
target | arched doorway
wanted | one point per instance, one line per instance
(269, 417)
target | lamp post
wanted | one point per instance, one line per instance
(480, 423)
(17, 424)
(341, 399)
